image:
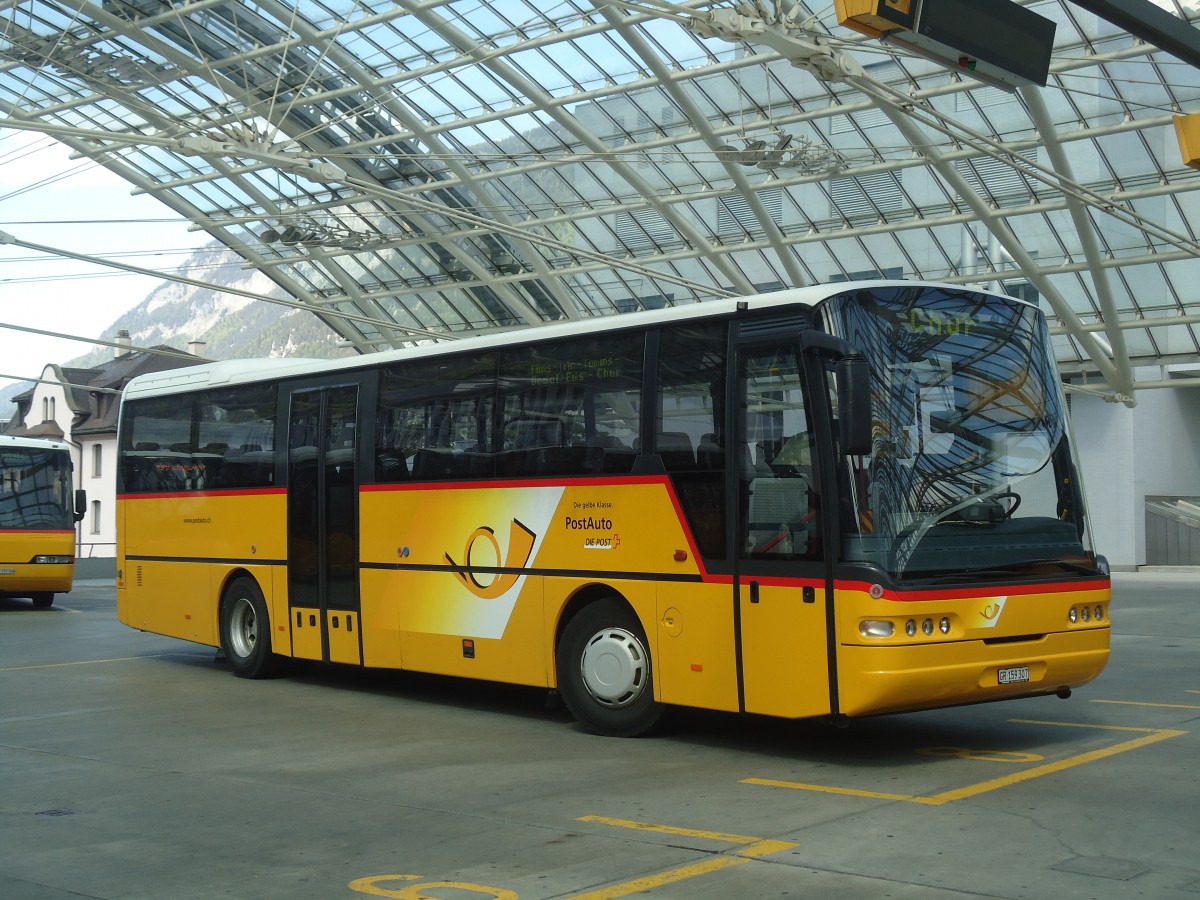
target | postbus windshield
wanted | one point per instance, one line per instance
(971, 468)
(35, 489)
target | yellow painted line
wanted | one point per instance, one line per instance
(1142, 703)
(1152, 737)
(649, 882)
(671, 829)
(1051, 768)
(753, 848)
(1086, 725)
(762, 848)
(83, 662)
(1000, 756)
(828, 789)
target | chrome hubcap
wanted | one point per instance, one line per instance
(243, 628)
(614, 668)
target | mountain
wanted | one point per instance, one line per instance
(232, 326)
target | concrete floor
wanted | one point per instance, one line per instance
(134, 766)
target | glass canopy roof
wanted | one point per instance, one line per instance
(416, 169)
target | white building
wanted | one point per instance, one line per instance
(80, 406)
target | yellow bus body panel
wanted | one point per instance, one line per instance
(695, 660)
(19, 576)
(531, 547)
(987, 633)
(195, 542)
(785, 656)
(343, 627)
(305, 625)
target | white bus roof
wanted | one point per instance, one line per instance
(14, 440)
(242, 371)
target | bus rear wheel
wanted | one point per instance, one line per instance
(43, 599)
(604, 671)
(246, 630)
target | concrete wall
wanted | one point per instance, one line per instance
(1126, 454)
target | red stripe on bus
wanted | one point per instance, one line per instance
(965, 592)
(597, 481)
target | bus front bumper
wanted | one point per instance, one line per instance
(22, 579)
(881, 679)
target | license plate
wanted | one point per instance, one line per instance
(1013, 675)
(8, 571)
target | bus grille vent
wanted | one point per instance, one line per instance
(771, 324)
(1014, 639)
(139, 576)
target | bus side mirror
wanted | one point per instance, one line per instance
(80, 504)
(854, 404)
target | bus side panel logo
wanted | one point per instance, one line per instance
(489, 586)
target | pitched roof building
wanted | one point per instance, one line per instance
(80, 406)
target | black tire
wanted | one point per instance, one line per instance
(604, 671)
(43, 599)
(246, 630)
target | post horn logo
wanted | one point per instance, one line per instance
(520, 546)
(991, 612)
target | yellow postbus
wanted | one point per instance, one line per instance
(38, 512)
(832, 501)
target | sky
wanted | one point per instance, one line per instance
(49, 199)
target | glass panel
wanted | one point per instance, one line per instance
(690, 426)
(216, 440)
(972, 465)
(435, 418)
(776, 477)
(571, 408)
(508, 163)
(304, 498)
(235, 436)
(35, 488)
(341, 499)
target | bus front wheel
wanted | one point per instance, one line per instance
(246, 630)
(604, 672)
(43, 600)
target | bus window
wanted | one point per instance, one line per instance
(215, 440)
(690, 426)
(435, 419)
(777, 481)
(571, 408)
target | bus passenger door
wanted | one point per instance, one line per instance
(780, 583)
(323, 524)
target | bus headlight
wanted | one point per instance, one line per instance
(876, 628)
(910, 627)
(944, 625)
(45, 559)
(1073, 615)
